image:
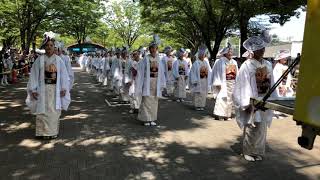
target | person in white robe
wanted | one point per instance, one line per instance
(168, 60)
(180, 74)
(110, 72)
(82, 62)
(135, 100)
(199, 79)
(66, 59)
(224, 74)
(106, 69)
(124, 73)
(116, 70)
(101, 68)
(254, 79)
(151, 81)
(284, 89)
(89, 64)
(48, 91)
(188, 59)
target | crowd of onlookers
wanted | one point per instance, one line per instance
(15, 65)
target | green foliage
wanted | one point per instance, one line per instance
(124, 18)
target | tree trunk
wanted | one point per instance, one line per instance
(34, 43)
(216, 47)
(243, 22)
(23, 39)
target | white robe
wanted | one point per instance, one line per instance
(195, 76)
(199, 86)
(180, 79)
(135, 100)
(223, 105)
(144, 77)
(117, 74)
(67, 62)
(150, 88)
(278, 70)
(168, 73)
(246, 88)
(82, 61)
(253, 123)
(105, 70)
(36, 84)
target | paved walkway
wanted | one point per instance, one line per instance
(98, 141)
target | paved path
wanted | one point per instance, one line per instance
(98, 141)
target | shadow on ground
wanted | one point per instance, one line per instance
(101, 142)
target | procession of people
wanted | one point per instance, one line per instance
(143, 76)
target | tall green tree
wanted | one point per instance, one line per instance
(279, 11)
(80, 19)
(124, 18)
(26, 16)
(205, 21)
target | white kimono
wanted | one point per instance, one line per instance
(67, 62)
(101, 67)
(82, 62)
(110, 72)
(253, 81)
(124, 93)
(180, 72)
(189, 67)
(105, 71)
(150, 88)
(224, 73)
(49, 104)
(278, 70)
(168, 63)
(135, 100)
(117, 74)
(199, 83)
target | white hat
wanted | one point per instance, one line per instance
(255, 43)
(225, 50)
(202, 50)
(282, 54)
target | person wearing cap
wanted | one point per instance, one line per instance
(151, 81)
(199, 79)
(224, 74)
(48, 90)
(284, 89)
(168, 60)
(135, 100)
(254, 79)
(180, 74)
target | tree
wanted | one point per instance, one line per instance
(9, 31)
(124, 18)
(80, 18)
(279, 11)
(205, 21)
